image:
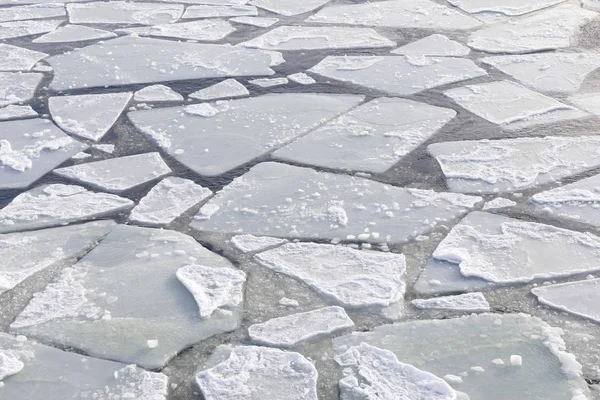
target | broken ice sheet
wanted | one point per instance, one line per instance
(536, 32)
(269, 82)
(58, 204)
(31, 148)
(17, 112)
(238, 130)
(251, 243)
(204, 30)
(491, 166)
(26, 253)
(157, 93)
(213, 11)
(29, 12)
(111, 63)
(371, 137)
(589, 102)
(511, 105)
(453, 346)
(395, 14)
(166, 201)
(251, 373)
(434, 45)
(398, 75)
(51, 374)
(116, 175)
(84, 309)
(225, 89)
(13, 58)
(506, 7)
(89, 116)
(15, 29)
(16, 87)
(301, 78)
(468, 302)
(74, 33)
(124, 12)
(261, 22)
(581, 298)
(294, 329)
(497, 203)
(316, 38)
(289, 8)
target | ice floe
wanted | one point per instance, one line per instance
(105, 148)
(506, 7)
(214, 138)
(228, 88)
(74, 33)
(468, 302)
(261, 22)
(581, 298)
(289, 8)
(497, 203)
(30, 12)
(214, 11)
(124, 12)
(398, 75)
(17, 112)
(16, 29)
(13, 58)
(89, 116)
(251, 243)
(269, 82)
(16, 87)
(84, 309)
(251, 373)
(371, 137)
(204, 30)
(589, 102)
(434, 45)
(301, 78)
(157, 93)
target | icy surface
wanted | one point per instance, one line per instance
(150, 302)
(251, 243)
(580, 298)
(118, 174)
(89, 116)
(315, 38)
(225, 89)
(497, 203)
(374, 373)
(74, 33)
(371, 137)
(17, 112)
(15, 29)
(157, 93)
(397, 75)
(29, 12)
(215, 138)
(288, 8)
(13, 58)
(16, 87)
(212, 11)
(589, 102)
(257, 373)
(124, 12)
(468, 302)
(58, 204)
(269, 82)
(261, 22)
(506, 7)
(111, 63)
(203, 30)
(434, 45)
(491, 166)
(166, 201)
(301, 78)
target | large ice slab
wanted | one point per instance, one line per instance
(124, 12)
(35, 11)
(434, 45)
(533, 33)
(129, 60)
(157, 93)
(580, 298)
(315, 38)
(13, 58)
(84, 308)
(398, 75)
(204, 30)
(289, 8)
(213, 11)
(16, 87)
(58, 204)
(252, 373)
(468, 302)
(74, 33)
(89, 116)
(212, 139)
(548, 72)
(17, 112)
(116, 175)
(589, 102)
(490, 166)
(396, 14)
(31, 148)
(47, 373)
(506, 7)
(371, 137)
(458, 346)
(225, 89)
(16, 29)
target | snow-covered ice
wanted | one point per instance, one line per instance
(15, 29)
(74, 33)
(269, 82)
(105, 148)
(16, 87)
(289, 8)
(506, 7)
(497, 203)
(468, 302)
(13, 58)
(210, 30)
(34, 11)
(157, 93)
(261, 22)
(301, 78)
(228, 88)
(124, 12)
(214, 11)
(17, 112)
(251, 243)
(433, 45)
(589, 102)
(581, 298)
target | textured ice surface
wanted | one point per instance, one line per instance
(157, 93)
(216, 138)
(16, 87)
(13, 58)
(89, 115)
(315, 38)
(288, 8)
(166, 201)
(434, 45)
(352, 278)
(398, 74)
(301, 78)
(85, 309)
(30, 12)
(51, 374)
(371, 137)
(261, 22)
(591, 4)
(118, 174)
(374, 373)
(294, 329)
(212, 11)
(468, 302)
(396, 14)
(497, 203)
(224, 89)
(258, 373)
(204, 30)
(58, 204)
(17, 112)
(537, 32)
(511, 105)
(124, 12)
(31, 148)
(580, 298)
(16, 29)
(111, 63)
(491, 166)
(589, 102)
(548, 72)
(269, 82)
(453, 346)
(506, 7)
(74, 33)
(251, 243)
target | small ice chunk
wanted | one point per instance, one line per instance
(13, 58)
(157, 93)
(31, 12)
(213, 11)
(261, 22)
(434, 45)
(9, 365)
(581, 298)
(284, 301)
(124, 12)
(202, 30)
(505, 7)
(269, 82)
(203, 110)
(17, 112)
(289, 8)
(152, 343)
(225, 89)
(498, 202)
(251, 243)
(516, 360)
(17, 87)
(105, 148)
(74, 33)
(81, 156)
(498, 361)
(15, 29)
(301, 78)
(454, 379)
(468, 302)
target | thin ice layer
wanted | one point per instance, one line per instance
(17, 112)
(213, 11)
(89, 116)
(398, 75)
(13, 58)
(225, 89)
(315, 38)
(112, 63)
(468, 302)
(454, 346)
(589, 102)
(289, 8)
(31, 12)
(16, 87)
(74, 33)
(124, 12)
(255, 373)
(506, 7)
(294, 329)
(204, 30)
(116, 175)
(15, 29)
(251, 243)
(84, 308)
(581, 298)
(157, 93)
(490, 166)
(58, 204)
(433, 45)
(214, 138)
(371, 137)
(280, 200)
